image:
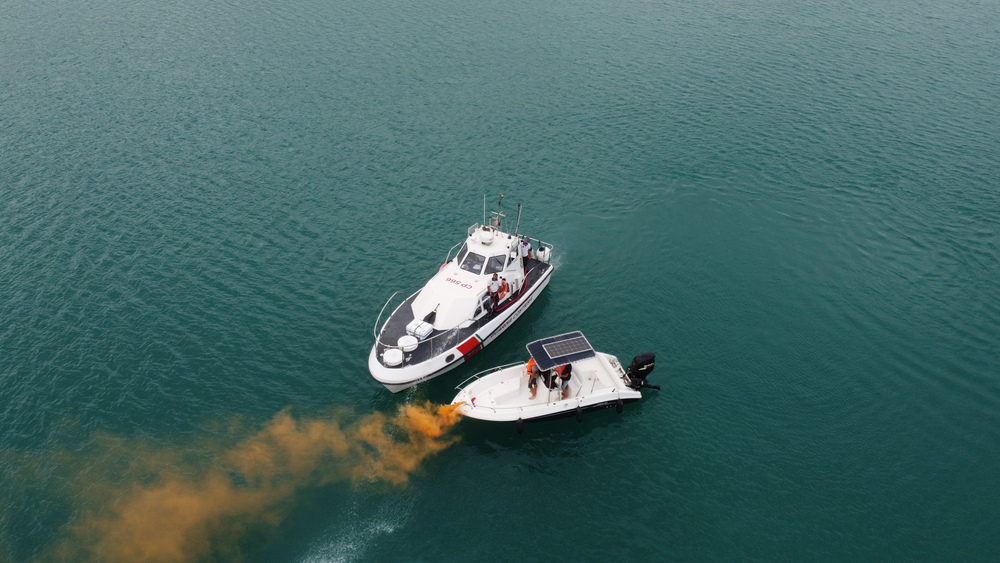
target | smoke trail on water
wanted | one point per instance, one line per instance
(177, 510)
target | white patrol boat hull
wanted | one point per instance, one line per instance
(462, 308)
(502, 394)
(400, 378)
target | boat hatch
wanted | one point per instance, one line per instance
(560, 350)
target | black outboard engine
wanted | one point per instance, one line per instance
(642, 365)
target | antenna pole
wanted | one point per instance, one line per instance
(518, 225)
(484, 209)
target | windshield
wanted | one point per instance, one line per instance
(473, 263)
(495, 265)
(461, 253)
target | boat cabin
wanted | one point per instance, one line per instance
(459, 294)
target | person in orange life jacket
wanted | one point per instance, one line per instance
(504, 289)
(494, 288)
(524, 249)
(531, 368)
(565, 373)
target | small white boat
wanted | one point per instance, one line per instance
(454, 316)
(596, 381)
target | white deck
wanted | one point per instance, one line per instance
(504, 394)
(456, 303)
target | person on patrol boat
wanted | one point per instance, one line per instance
(504, 289)
(494, 288)
(524, 249)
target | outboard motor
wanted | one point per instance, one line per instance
(642, 365)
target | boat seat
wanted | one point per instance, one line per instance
(584, 382)
(509, 393)
(577, 384)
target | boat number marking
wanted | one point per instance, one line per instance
(456, 282)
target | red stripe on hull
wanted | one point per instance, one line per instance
(470, 347)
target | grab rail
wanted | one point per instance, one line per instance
(378, 336)
(447, 257)
(379, 318)
(487, 371)
(538, 243)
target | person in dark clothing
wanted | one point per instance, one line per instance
(565, 374)
(524, 250)
(494, 288)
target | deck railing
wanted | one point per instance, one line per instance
(487, 372)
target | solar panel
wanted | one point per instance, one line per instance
(560, 350)
(566, 347)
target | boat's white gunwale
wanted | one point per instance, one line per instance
(486, 408)
(400, 378)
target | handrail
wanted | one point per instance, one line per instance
(444, 333)
(487, 371)
(476, 226)
(378, 339)
(539, 242)
(447, 257)
(379, 318)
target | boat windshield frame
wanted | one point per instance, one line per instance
(462, 252)
(473, 267)
(491, 264)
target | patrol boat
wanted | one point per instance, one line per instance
(596, 381)
(454, 316)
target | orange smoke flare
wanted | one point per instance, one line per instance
(180, 512)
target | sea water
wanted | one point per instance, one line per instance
(204, 206)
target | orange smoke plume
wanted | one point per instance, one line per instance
(183, 512)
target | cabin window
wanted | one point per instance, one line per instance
(473, 263)
(495, 265)
(461, 253)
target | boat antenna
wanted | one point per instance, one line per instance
(518, 224)
(484, 209)
(499, 213)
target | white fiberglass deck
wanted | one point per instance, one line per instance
(503, 395)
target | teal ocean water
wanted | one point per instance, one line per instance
(204, 206)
